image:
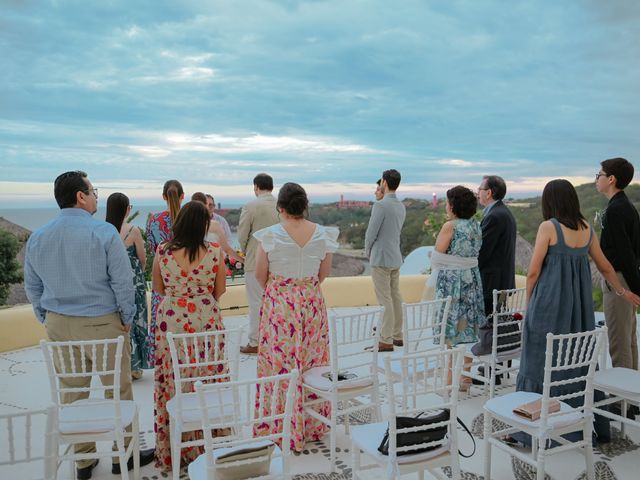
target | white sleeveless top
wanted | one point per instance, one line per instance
(288, 259)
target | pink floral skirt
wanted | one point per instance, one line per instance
(294, 334)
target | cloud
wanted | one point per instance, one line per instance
(324, 93)
(455, 162)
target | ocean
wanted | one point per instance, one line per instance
(34, 218)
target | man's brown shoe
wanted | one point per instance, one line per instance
(398, 343)
(249, 350)
(383, 347)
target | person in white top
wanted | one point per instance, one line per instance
(216, 233)
(292, 259)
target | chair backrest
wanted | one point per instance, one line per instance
(569, 368)
(69, 362)
(21, 441)
(88, 367)
(424, 325)
(509, 307)
(242, 406)
(353, 346)
(430, 394)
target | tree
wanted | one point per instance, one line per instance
(9, 267)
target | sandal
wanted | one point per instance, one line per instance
(465, 384)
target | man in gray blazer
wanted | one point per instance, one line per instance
(256, 215)
(382, 246)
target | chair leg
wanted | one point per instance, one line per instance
(542, 456)
(487, 445)
(355, 461)
(421, 475)
(588, 451)
(175, 438)
(124, 471)
(135, 451)
(492, 380)
(332, 436)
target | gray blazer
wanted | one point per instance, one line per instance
(382, 240)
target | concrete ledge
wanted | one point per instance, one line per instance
(20, 329)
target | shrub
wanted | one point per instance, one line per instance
(10, 271)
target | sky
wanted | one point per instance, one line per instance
(327, 94)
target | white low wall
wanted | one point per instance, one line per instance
(20, 329)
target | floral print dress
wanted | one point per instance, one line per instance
(139, 328)
(158, 231)
(187, 307)
(294, 329)
(465, 286)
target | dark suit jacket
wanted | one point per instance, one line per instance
(620, 239)
(497, 257)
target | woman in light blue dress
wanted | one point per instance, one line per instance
(454, 263)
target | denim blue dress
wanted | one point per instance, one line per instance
(561, 303)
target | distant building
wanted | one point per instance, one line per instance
(434, 201)
(352, 203)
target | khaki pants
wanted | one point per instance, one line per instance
(254, 299)
(386, 282)
(63, 328)
(620, 317)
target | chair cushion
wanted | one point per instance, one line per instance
(395, 365)
(191, 406)
(503, 407)
(623, 382)
(93, 416)
(198, 468)
(314, 379)
(368, 437)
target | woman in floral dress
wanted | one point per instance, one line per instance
(185, 275)
(293, 258)
(454, 264)
(118, 208)
(158, 231)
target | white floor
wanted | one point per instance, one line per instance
(24, 386)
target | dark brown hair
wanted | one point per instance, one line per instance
(263, 181)
(172, 192)
(66, 187)
(392, 177)
(293, 199)
(199, 197)
(497, 186)
(560, 201)
(462, 201)
(117, 205)
(620, 168)
(190, 228)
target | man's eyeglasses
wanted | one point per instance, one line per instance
(598, 175)
(92, 190)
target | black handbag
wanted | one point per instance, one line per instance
(485, 335)
(437, 434)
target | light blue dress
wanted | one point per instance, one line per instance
(464, 286)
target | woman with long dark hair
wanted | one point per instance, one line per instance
(159, 230)
(118, 209)
(188, 274)
(559, 288)
(293, 258)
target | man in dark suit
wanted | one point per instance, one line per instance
(497, 257)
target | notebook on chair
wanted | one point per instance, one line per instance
(532, 410)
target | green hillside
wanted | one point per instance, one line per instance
(528, 218)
